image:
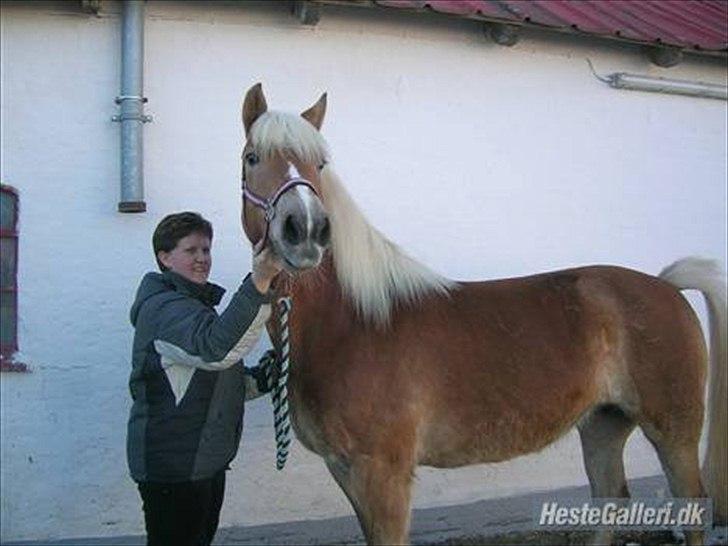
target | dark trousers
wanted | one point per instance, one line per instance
(185, 513)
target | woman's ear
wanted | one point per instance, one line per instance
(163, 258)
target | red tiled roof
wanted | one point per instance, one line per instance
(693, 24)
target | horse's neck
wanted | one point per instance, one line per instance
(316, 294)
(319, 308)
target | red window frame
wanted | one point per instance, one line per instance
(7, 350)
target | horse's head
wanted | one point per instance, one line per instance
(281, 175)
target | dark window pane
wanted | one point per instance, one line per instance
(7, 318)
(7, 210)
(7, 262)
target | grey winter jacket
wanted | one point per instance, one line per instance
(188, 380)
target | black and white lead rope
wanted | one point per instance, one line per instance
(279, 392)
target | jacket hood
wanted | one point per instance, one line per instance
(169, 281)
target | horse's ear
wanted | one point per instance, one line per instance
(254, 106)
(315, 114)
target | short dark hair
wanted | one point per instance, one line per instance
(174, 227)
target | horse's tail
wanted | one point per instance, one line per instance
(708, 277)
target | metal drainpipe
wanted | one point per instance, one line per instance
(131, 107)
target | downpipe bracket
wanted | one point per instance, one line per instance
(122, 98)
(132, 117)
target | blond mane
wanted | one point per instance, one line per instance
(374, 273)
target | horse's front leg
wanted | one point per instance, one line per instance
(379, 489)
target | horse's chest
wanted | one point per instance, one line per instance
(306, 422)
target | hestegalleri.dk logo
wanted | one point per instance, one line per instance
(624, 514)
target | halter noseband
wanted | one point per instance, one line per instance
(269, 205)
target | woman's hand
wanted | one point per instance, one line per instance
(266, 265)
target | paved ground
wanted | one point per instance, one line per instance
(506, 521)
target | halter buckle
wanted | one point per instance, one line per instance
(270, 212)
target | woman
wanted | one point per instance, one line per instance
(188, 382)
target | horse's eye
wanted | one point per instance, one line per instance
(251, 158)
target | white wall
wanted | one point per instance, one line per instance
(482, 161)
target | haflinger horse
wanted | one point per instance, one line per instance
(394, 366)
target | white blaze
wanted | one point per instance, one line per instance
(305, 193)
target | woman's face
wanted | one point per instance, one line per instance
(191, 258)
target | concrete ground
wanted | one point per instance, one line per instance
(495, 521)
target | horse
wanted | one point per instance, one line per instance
(395, 366)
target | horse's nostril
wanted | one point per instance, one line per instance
(293, 232)
(324, 234)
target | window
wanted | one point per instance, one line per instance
(9, 279)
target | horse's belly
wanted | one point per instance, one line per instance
(449, 444)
